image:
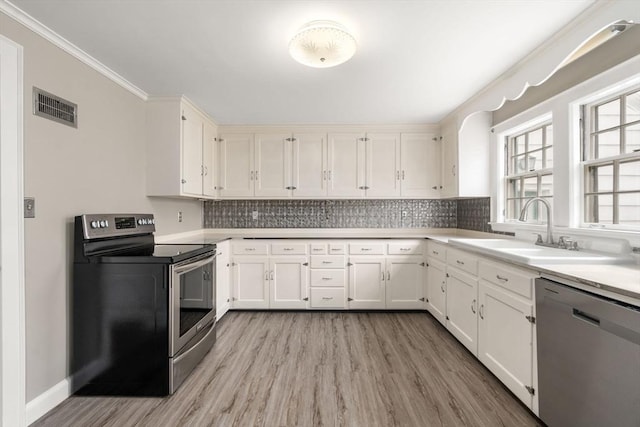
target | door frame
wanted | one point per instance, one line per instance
(12, 273)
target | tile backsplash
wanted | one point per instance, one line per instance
(472, 214)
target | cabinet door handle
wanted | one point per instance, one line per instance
(442, 287)
(256, 175)
(398, 175)
(383, 276)
(473, 307)
(435, 252)
(271, 275)
(481, 311)
(504, 279)
(206, 171)
(184, 181)
(403, 175)
(251, 176)
(266, 275)
(459, 262)
(388, 275)
(453, 170)
(329, 175)
(435, 187)
(324, 173)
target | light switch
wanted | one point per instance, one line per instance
(29, 207)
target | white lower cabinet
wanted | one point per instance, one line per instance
(223, 279)
(436, 290)
(405, 282)
(250, 282)
(462, 302)
(367, 280)
(288, 282)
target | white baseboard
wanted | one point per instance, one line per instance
(48, 400)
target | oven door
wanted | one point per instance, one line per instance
(192, 300)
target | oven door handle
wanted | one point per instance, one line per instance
(193, 265)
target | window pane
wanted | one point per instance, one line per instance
(546, 185)
(599, 209)
(600, 179)
(519, 164)
(632, 138)
(513, 188)
(535, 140)
(519, 145)
(629, 179)
(629, 210)
(530, 187)
(549, 131)
(548, 155)
(607, 144)
(633, 107)
(513, 208)
(608, 115)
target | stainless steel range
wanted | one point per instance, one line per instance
(143, 315)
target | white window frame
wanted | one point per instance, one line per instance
(585, 115)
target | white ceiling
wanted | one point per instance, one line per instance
(416, 60)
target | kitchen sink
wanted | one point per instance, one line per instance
(529, 253)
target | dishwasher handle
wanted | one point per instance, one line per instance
(579, 314)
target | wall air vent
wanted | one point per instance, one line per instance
(54, 108)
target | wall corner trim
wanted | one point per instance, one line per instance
(48, 400)
(42, 30)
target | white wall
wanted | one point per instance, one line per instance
(99, 167)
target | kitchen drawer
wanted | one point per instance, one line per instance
(328, 298)
(437, 251)
(515, 279)
(462, 260)
(318, 248)
(366, 248)
(245, 248)
(327, 261)
(326, 277)
(337, 248)
(408, 247)
(288, 248)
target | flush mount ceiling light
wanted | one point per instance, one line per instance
(322, 44)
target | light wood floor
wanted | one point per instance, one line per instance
(319, 369)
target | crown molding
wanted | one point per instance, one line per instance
(45, 32)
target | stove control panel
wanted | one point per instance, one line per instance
(98, 226)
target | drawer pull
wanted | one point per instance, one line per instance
(327, 262)
(249, 249)
(365, 249)
(335, 249)
(317, 249)
(405, 249)
(504, 279)
(459, 262)
(327, 298)
(288, 249)
(327, 278)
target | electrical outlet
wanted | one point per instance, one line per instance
(179, 216)
(29, 207)
(254, 215)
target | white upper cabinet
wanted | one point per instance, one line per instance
(181, 148)
(309, 165)
(272, 175)
(345, 173)
(236, 166)
(466, 157)
(419, 171)
(382, 154)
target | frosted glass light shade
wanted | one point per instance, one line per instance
(322, 44)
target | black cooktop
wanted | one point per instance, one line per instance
(160, 254)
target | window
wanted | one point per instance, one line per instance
(611, 161)
(529, 169)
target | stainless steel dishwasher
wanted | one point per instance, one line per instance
(588, 358)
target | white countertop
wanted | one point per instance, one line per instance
(620, 282)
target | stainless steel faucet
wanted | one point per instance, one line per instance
(523, 217)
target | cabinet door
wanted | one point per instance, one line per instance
(209, 160)
(449, 162)
(367, 283)
(345, 172)
(223, 282)
(309, 165)
(273, 165)
(251, 282)
(420, 165)
(236, 166)
(405, 282)
(436, 285)
(462, 307)
(505, 343)
(383, 165)
(289, 282)
(192, 137)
